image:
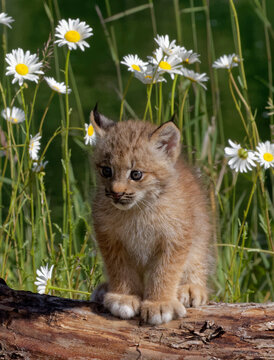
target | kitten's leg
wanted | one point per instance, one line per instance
(123, 296)
(161, 303)
(192, 295)
(192, 290)
(199, 262)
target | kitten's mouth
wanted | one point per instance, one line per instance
(122, 202)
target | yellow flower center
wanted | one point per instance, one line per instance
(187, 60)
(14, 120)
(268, 157)
(56, 88)
(21, 69)
(72, 36)
(90, 130)
(136, 67)
(236, 59)
(165, 65)
(242, 153)
(148, 77)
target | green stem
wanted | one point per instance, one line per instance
(181, 112)
(248, 109)
(33, 102)
(238, 108)
(173, 94)
(150, 110)
(47, 214)
(269, 234)
(57, 132)
(194, 33)
(114, 46)
(160, 103)
(148, 105)
(49, 287)
(46, 111)
(178, 20)
(242, 227)
(33, 234)
(238, 42)
(66, 266)
(269, 62)
(124, 96)
(247, 249)
(213, 75)
(153, 19)
(67, 162)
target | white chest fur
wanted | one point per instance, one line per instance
(142, 233)
(140, 237)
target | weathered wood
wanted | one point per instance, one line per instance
(34, 326)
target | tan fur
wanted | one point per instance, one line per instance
(156, 248)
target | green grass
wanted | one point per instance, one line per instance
(34, 231)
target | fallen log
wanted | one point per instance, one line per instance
(34, 326)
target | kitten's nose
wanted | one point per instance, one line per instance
(116, 195)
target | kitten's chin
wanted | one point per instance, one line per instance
(129, 204)
(123, 206)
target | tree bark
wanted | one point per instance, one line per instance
(34, 326)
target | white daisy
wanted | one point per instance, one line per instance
(148, 75)
(168, 47)
(188, 56)
(56, 86)
(73, 33)
(34, 146)
(5, 19)
(23, 66)
(43, 278)
(265, 154)
(195, 77)
(241, 160)
(134, 63)
(166, 64)
(227, 62)
(14, 115)
(90, 137)
(38, 167)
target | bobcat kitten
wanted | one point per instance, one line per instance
(151, 221)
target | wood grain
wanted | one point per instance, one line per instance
(34, 326)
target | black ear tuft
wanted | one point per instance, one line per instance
(172, 117)
(100, 123)
(96, 114)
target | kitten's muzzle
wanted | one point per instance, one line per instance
(119, 197)
(116, 196)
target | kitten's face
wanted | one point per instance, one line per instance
(132, 166)
(125, 186)
(125, 165)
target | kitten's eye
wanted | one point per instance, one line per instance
(136, 175)
(106, 171)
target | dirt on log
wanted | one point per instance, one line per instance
(34, 326)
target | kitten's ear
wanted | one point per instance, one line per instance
(99, 122)
(167, 139)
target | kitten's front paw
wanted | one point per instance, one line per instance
(192, 295)
(123, 306)
(158, 312)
